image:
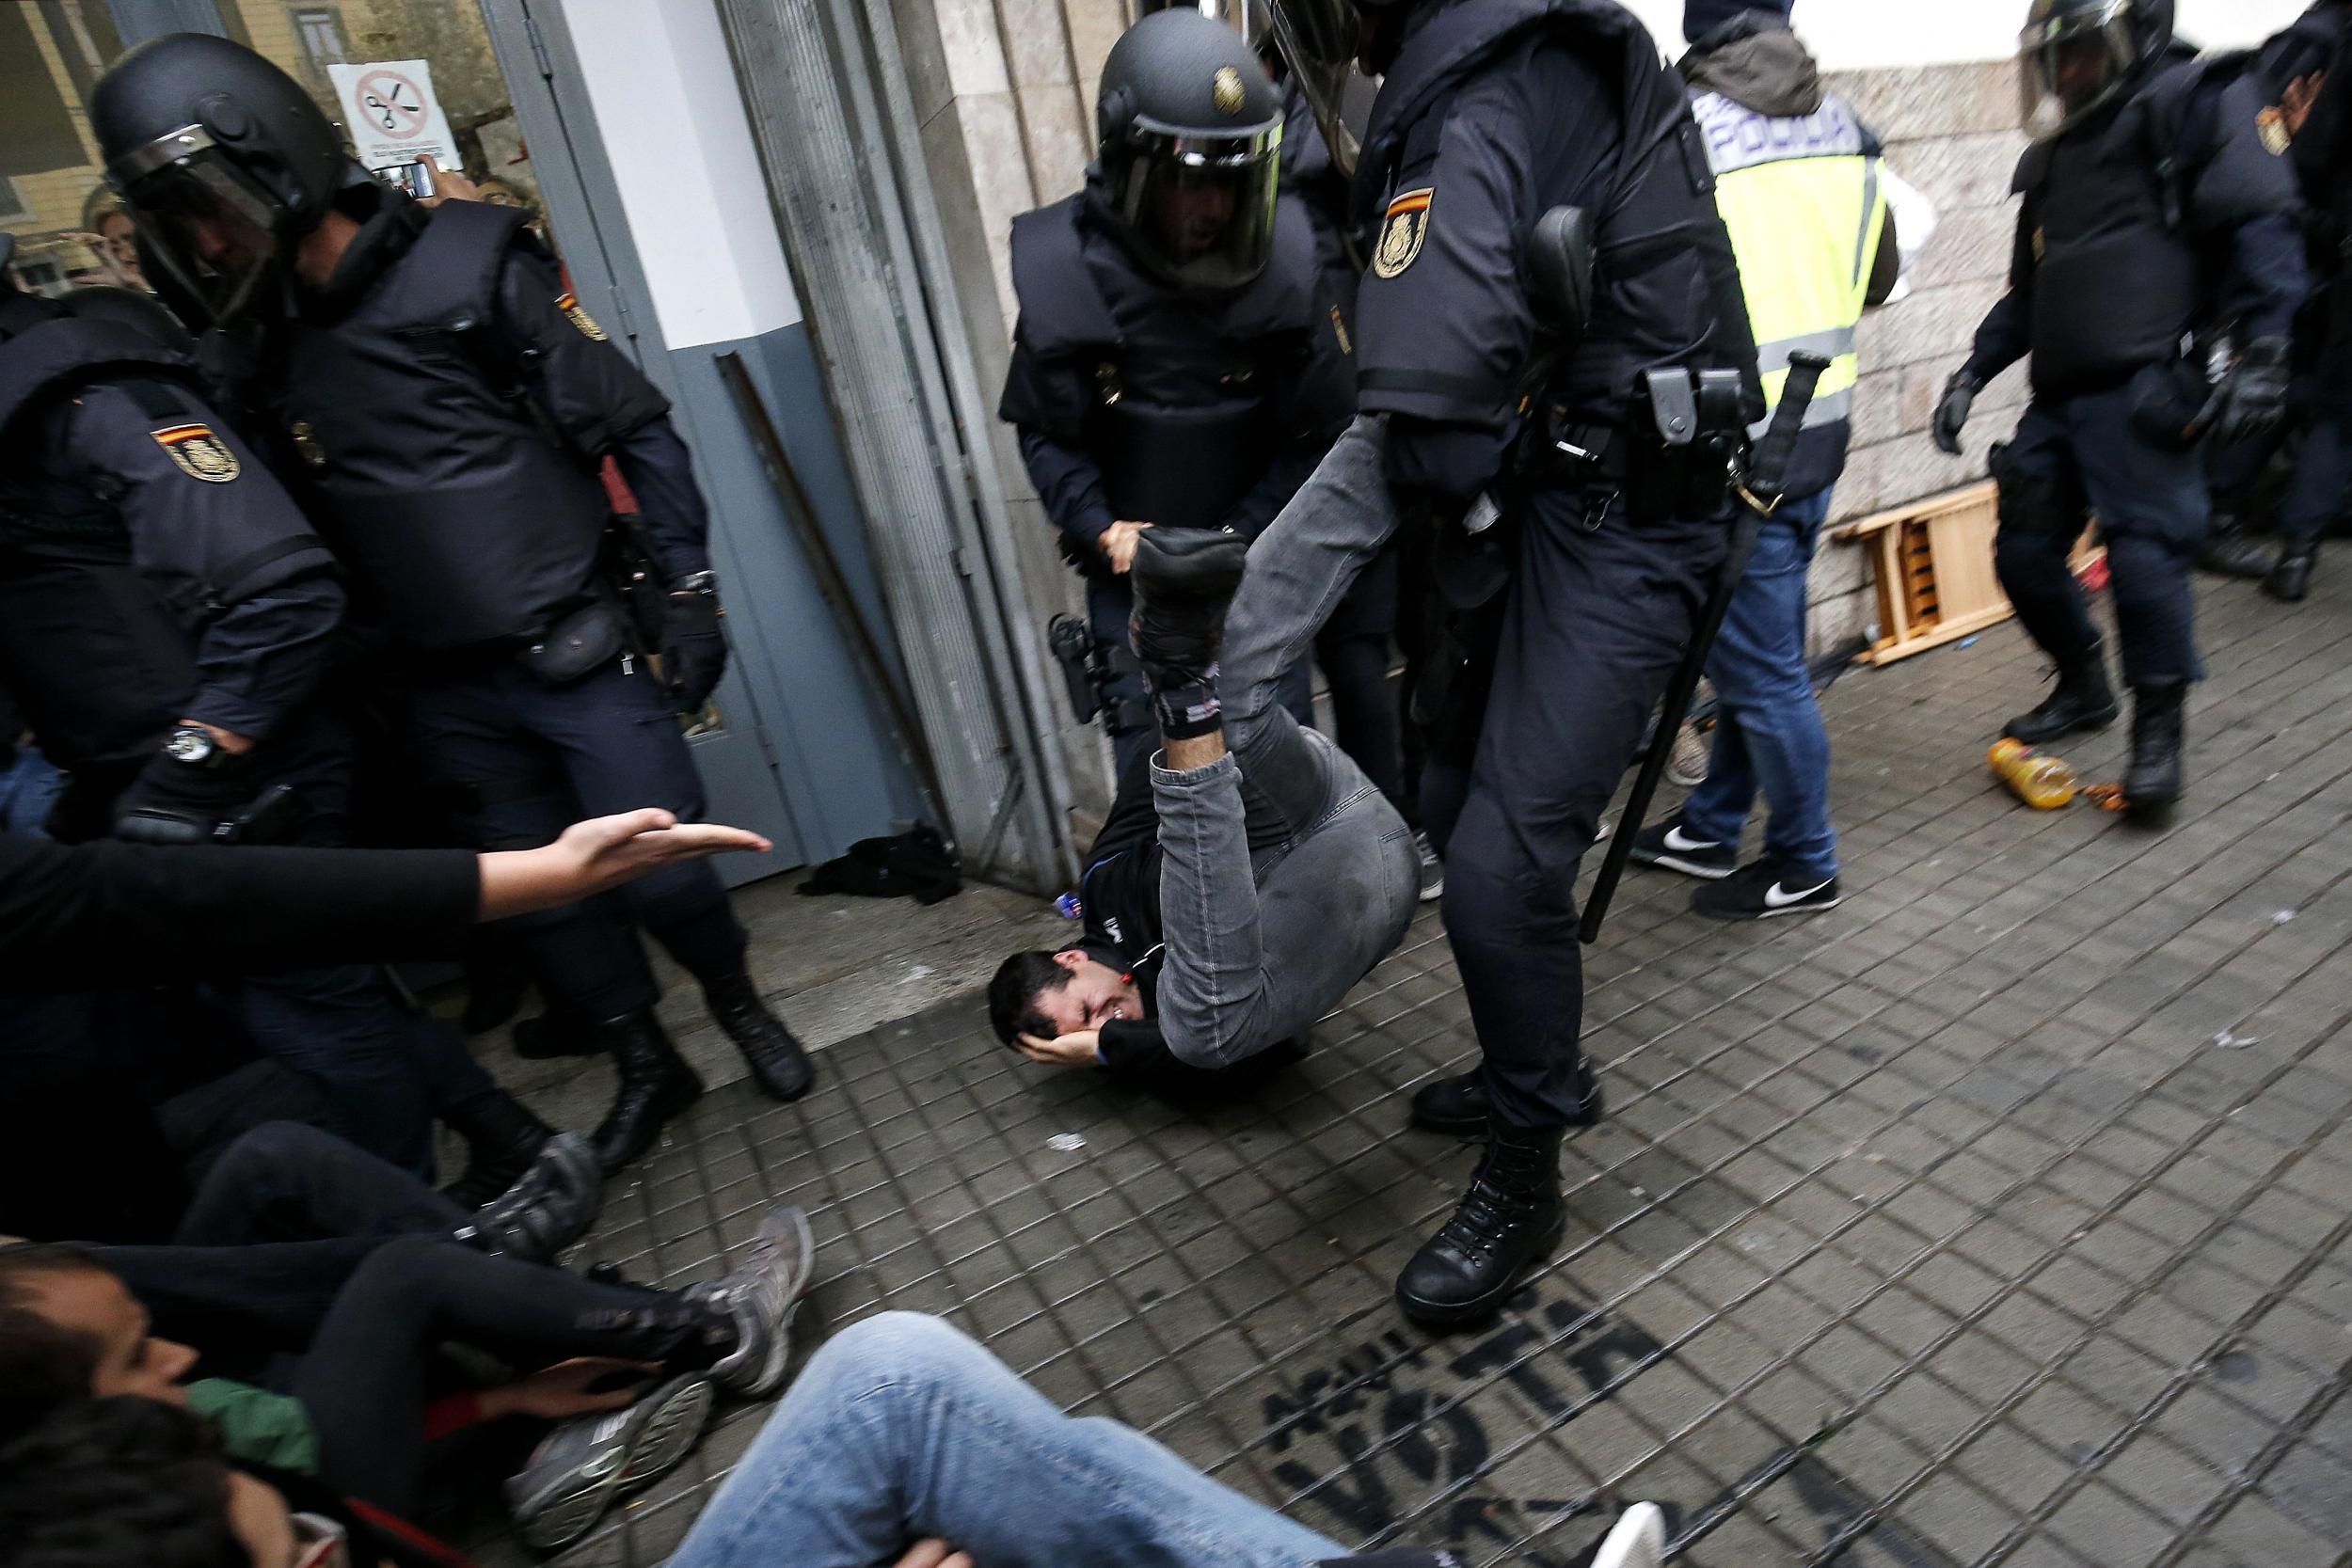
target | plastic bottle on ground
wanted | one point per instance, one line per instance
(2043, 783)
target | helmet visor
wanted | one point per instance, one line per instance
(1201, 209)
(2071, 62)
(209, 226)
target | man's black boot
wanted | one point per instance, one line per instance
(1510, 1220)
(656, 1084)
(502, 1138)
(2229, 553)
(2082, 700)
(1457, 1106)
(779, 1066)
(1185, 579)
(2152, 779)
(2291, 578)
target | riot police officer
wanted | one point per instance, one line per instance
(2146, 168)
(446, 403)
(2302, 74)
(165, 614)
(1580, 605)
(1175, 362)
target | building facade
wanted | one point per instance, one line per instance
(795, 213)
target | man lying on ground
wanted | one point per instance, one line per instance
(902, 1442)
(323, 1280)
(1260, 874)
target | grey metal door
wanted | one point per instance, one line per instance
(584, 205)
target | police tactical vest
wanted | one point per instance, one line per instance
(439, 491)
(2115, 278)
(1182, 399)
(100, 665)
(1800, 198)
(1666, 290)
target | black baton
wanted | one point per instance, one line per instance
(1767, 467)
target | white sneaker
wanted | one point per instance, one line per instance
(1638, 1540)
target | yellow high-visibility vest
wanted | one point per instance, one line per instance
(1803, 200)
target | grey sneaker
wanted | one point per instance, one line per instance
(759, 1297)
(551, 1206)
(581, 1465)
(1432, 868)
(1686, 765)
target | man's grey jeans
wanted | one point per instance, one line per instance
(1261, 945)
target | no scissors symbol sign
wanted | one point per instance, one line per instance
(394, 106)
(393, 115)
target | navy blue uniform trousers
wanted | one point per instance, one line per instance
(1583, 643)
(2074, 456)
(529, 760)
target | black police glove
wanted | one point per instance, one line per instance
(1951, 410)
(190, 792)
(2254, 399)
(694, 652)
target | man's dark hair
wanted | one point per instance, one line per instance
(22, 1262)
(1019, 980)
(121, 1483)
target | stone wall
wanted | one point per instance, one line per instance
(1950, 131)
(1005, 91)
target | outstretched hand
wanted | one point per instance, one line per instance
(934, 1554)
(599, 854)
(1083, 1049)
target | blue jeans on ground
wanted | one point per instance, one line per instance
(1264, 940)
(901, 1429)
(1770, 735)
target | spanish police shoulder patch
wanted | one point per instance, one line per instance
(2271, 124)
(569, 303)
(1402, 233)
(199, 454)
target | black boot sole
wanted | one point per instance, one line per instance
(2043, 735)
(1456, 1314)
(676, 1098)
(1459, 1127)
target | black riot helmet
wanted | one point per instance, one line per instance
(1189, 126)
(2075, 57)
(223, 160)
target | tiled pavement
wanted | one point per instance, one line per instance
(1999, 1216)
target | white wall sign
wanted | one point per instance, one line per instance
(393, 115)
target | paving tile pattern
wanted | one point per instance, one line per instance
(2001, 1216)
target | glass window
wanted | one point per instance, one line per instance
(321, 34)
(52, 193)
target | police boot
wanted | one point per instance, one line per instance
(2229, 553)
(2082, 700)
(1457, 1106)
(1185, 579)
(779, 1066)
(656, 1084)
(2153, 779)
(502, 1138)
(2291, 578)
(1509, 1221)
